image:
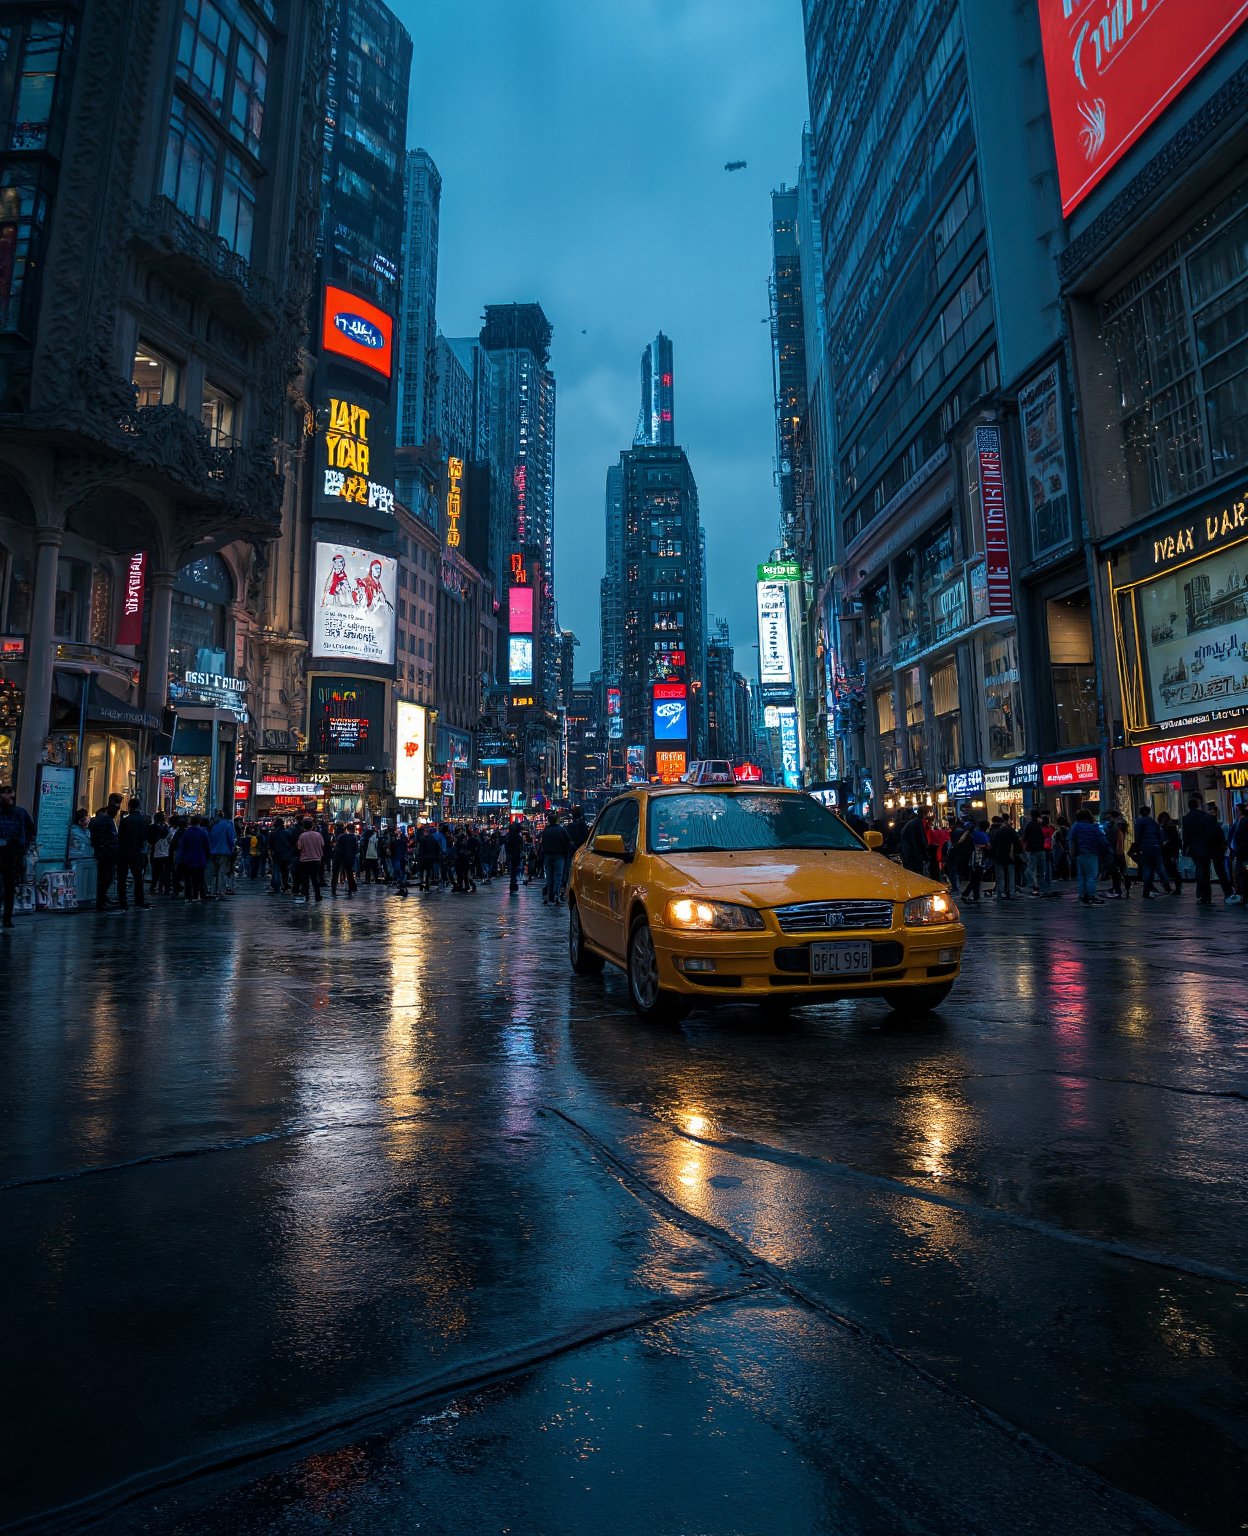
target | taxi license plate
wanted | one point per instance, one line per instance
(841, 959)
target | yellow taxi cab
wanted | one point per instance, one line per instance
(754, 894)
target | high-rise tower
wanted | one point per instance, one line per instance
(418, 330)
(656, 425)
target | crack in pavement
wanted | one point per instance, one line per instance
(371, 1414)
(781, 1281)
(759, 1151)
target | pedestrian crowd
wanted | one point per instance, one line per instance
(122, 856)
(980, 856)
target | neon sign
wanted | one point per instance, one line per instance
(348, 458)
(358, 330)
(455, 474)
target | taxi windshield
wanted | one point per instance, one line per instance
(710, 823)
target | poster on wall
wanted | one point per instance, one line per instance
(353, 607)
(411, 751)
(1113, 69)
(1194, 624)
(1044, 461)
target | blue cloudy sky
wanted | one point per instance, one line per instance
(581, 145)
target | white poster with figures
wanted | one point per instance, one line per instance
(353, 606)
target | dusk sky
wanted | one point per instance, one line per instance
(582, 149)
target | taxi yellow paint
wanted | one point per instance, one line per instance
(621, 884)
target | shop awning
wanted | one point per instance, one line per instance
(104, 707)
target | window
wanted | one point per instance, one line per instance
(101, 632)
(1073, 668)
(1003, 698)
(886, 729)
(23, 215)
(154, 376)
(879, 622)
(912, 710)
(73, 600)
(28, 97)
(217, 413)
(946, 707)
(236, 221)
(1179, 337)
(223, 55)
(192, 163)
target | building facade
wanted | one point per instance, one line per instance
(156, 283)
(928, 617)
(517, 338)
(418, 331)
(656, 420)
(659, 567)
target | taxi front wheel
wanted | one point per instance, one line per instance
(584, 961)
(649, 998)
(915, 1001)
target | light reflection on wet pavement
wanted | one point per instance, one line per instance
(373, 1217)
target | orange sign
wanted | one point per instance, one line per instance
(670, 766)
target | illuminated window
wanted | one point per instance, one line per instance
(217, 413)
(154, 376)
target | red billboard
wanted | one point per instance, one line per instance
(1076, 771)
(1215, 750)
(670, 690)
(996, 524)
(1114, 66)
(520, 610)
(354, 328)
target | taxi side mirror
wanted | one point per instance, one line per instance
(611, 846)
(873, 840)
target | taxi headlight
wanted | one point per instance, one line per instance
(709, 916)
(924, 911)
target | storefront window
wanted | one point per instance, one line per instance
(946, 706)
(1003, 698)
(11, 697)
(192, 778)
(912, 709)
(937, 559)
(886, 729)
(109, 768)
(1072, 668)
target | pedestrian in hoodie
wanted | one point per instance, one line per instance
(1148, 850)
(1088, 846)
(193, 854)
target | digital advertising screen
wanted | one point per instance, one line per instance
(775, 661)
(520, 610)
(355, 329)
(671, 712)
(520, 659)
(410, 750)
(346, 717)
(353, 604)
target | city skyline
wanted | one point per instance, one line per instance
(635, 153)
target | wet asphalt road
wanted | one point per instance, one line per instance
(371, 1218)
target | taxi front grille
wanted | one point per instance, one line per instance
(834, 916)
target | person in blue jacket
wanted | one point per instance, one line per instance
(1148, 849)
(1088, 845)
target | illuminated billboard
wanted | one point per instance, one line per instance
(520, 659)
(346, 717)
(775, 661)
(1112, 70)
(410, 751)
(520, 610)
(636, 764)
(670, 765)
(356, 329)
(615, 719)
(790, 751)
(352, 609)
(356, 458)
(671, 712)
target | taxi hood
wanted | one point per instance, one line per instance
(776, 877)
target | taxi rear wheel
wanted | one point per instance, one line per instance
(916, 1001)
(584, 961)
(648, 997)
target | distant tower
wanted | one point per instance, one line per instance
(656, 425)
(418, 330)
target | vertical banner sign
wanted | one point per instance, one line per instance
(996, 529)
(130, 625)
(1114, 66)
(455, 476)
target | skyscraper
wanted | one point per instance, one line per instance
(517, 339)
(656, 425)
(612, 613)
(418, 331)
(659, 566)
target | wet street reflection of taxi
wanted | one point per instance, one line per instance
(754, 894)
